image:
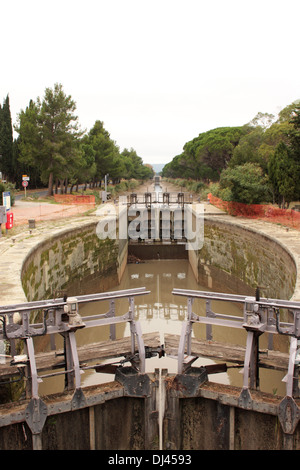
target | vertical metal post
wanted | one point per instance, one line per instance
(248, 354)
(254, 364)
(69, 377)
(141, 347)
(136, 331)
(209, 335)
(51, 321)
(112, 327)
(25, 320)
(189, 330)
(251, 367)
(75, 359)
(270, 319)
(289, 378)
(131, 316)
(33, 370)
(185, 341)
(12, 341)
(181, 347)
(36, 411)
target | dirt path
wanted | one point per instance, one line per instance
(24, 210)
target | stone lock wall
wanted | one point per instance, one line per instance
(68, 258)
(242, 259)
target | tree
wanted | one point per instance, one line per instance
(295, 132)
(262, 137)
(173, 168)
(87, 168)
(263, 120)
(105, 150)
(278, 132)
(287, 113)
(244, 183)
(216, 147)
(24, 169)
(6, 141)
(284, 162)
(29, 142)
(49, 135)
(247, 148)
(134, 166)
(284, 175)
(205, 156)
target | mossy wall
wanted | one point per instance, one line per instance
(67, 259)
(237, 259)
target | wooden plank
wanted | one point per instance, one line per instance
(121, 347)
(227, 352)
(89, 352)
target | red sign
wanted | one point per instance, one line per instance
(24, 184)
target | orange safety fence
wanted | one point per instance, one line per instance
(74, 199)
(287, 217)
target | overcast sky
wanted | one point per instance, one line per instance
(158, 72)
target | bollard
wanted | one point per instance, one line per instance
(31, 223)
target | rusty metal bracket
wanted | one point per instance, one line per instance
(288, 414)
(245, 400)
(134, 383)
(36, 415)
(24, 330)
(188, 383)
(78, 399)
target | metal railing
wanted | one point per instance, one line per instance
(260, 315)
(62, 316)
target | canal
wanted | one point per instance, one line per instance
(162, 312)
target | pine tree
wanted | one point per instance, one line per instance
(49, 136)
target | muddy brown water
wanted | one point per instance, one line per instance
(161, 311)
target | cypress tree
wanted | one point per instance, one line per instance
(295, 147)
(6, 141)
(295, 134)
